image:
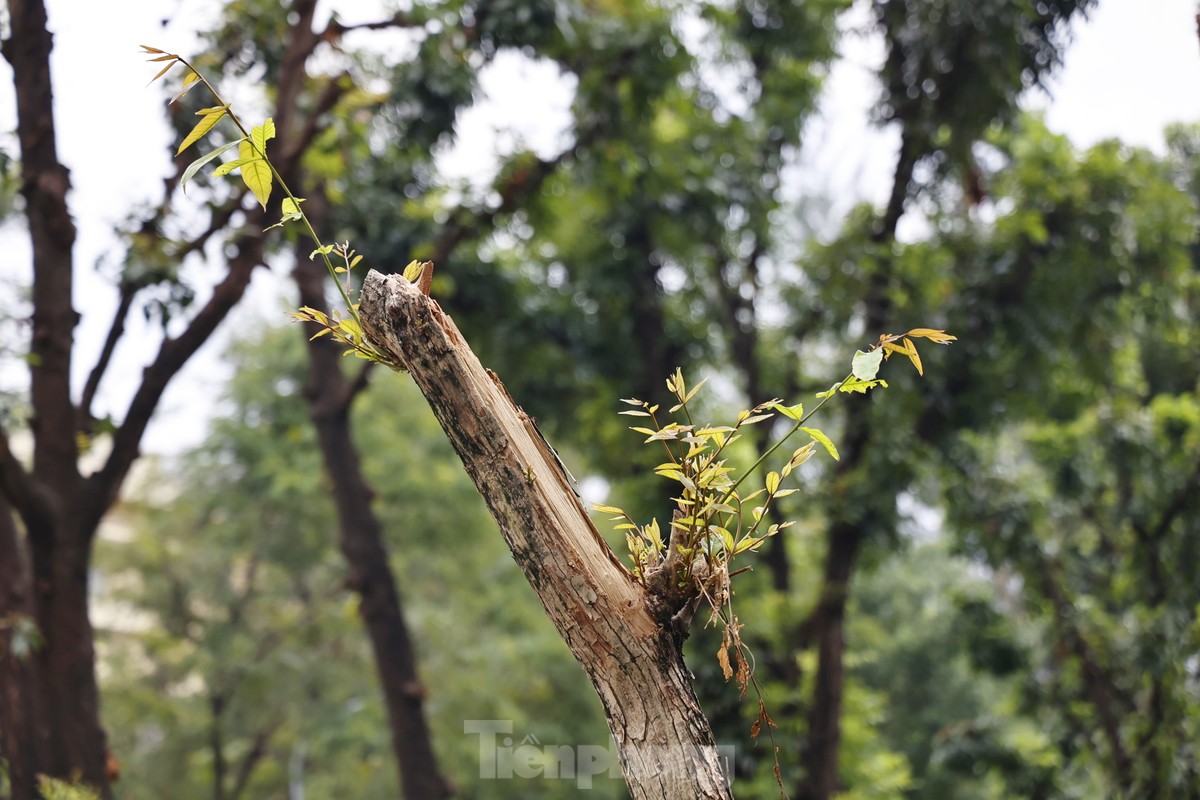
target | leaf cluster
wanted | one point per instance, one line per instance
(259, 174)
(714, 519)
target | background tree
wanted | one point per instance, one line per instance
(665, 232)
(59, 732)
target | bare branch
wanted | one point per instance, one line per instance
(173, 354)
(253, 756)
(334, 90)
(1187, 493)
(115, 331)
(398, 20)
(361, 381)
(19, 487)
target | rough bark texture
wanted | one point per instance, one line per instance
(665, 743)
(60, 555)
(18, 738)
(360, 535)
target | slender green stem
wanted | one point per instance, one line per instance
(799, 424)
(312, 233)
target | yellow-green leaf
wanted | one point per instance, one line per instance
(230, 166)
(209, 118)
(261, 134)
(255, 173)
(825, 441)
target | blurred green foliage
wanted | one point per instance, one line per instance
(1023, 620)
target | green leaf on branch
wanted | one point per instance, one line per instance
(256, 174)
(291, 212)
(208, 118)
(230, 166)
(795, 412)
(195, 166)
(261, 134)
(831, 391)
(824, 440)
(855, 385)
(865, 366)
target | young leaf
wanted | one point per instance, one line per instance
(195, 166)
(230, 166)
(413, 271)
(170, 63)
(209, 117)
(255, 173)
(935, 336)
(261, 134)
(291, 212)
(831, 391)
(860, 386)
(795, 412)
(866, 365)
(914, 356)
(187, 87)
(825, 441)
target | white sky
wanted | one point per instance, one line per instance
(1132, 69)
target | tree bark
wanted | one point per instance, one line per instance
(68, 694)
(360, 535)
(665, 743)
(18, 736)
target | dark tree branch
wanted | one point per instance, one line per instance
(362, 379)
(1106, 697)
(174, 353)
(44, 185)
(19, 487)
(18, 718)
(219, 221)
(115, 331)
(258, 750)
(334, 90)
(400, 19)
(1187, 494)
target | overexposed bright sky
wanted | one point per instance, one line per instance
(1133, 68)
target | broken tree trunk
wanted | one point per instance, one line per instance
(664, 741)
